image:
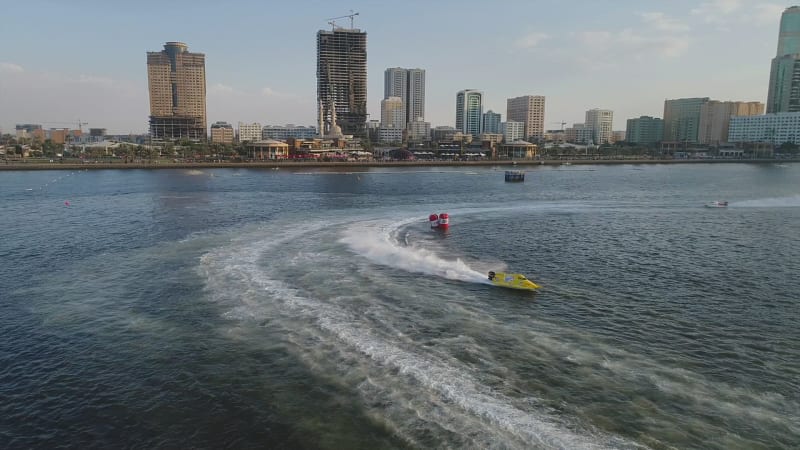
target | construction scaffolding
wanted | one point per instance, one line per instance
(176, 128)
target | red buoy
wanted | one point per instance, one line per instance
(434, 219)
(444, 221)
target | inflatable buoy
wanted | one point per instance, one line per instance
(434, 219)
(444, 221)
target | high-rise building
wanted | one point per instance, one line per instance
(491, 122)
(469, 111)
(177, 85)
(682, 119)
(784, 76)
(221, 133)
(393, 113)
(415, 106)
(600, 121)
(644, 130)
(342, 80)
(715, 117)
(395, 85)
(409, 85)
(528, 109)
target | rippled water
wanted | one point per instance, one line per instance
(246, 308)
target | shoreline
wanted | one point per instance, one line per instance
(287, 164)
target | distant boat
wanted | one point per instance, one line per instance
(515, 175)
(717, 204)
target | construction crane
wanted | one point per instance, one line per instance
(332, 20)
(562, 123)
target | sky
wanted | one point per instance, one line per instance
(64, 61)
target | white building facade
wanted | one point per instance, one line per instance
(249, 132)
(776, 128)
(390, 135)
(512, 131)
(284, 132)
(600, 121)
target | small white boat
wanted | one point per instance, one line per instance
(717, 204)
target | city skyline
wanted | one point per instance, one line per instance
(637, 57)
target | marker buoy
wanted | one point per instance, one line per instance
(444, 221)
(434, 219)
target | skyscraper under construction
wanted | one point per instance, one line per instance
(177, 85)
(342, 80)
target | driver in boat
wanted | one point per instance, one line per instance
(491, 276)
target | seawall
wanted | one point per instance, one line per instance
(14, 165)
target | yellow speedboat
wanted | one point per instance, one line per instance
(512, 280)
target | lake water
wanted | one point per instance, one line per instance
(316, 309)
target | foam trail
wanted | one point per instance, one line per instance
(773, 202)
(496, 416)
(377, 246)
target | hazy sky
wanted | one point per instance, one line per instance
(65, 60)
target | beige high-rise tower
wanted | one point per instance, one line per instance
(528, 109)
(177, 85)
(715, 118)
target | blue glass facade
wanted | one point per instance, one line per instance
(784, 75)
(789, 34)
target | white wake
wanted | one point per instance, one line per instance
(773, 202)
(374, 241)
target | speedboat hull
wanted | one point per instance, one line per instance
(512, 281)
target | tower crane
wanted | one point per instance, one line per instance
(332, 20)
(562, 123)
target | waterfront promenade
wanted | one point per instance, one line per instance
(168, 164)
